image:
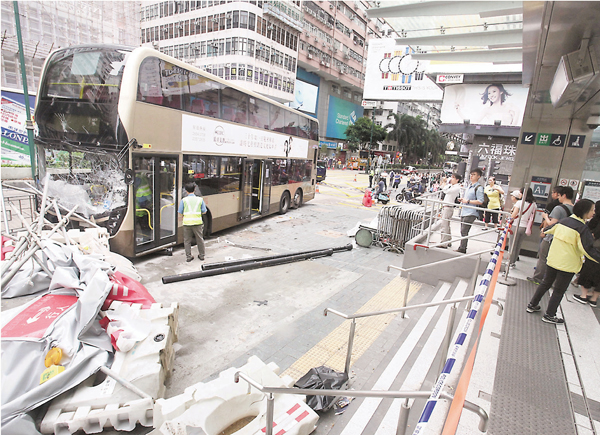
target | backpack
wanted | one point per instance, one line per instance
(486, 200)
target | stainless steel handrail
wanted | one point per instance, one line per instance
(435, 263)
(270, 391)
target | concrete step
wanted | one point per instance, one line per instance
(412, 363)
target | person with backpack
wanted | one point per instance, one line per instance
(572, 241)
(564, 209)
(473, 197)
(528, 208)
(493, 195)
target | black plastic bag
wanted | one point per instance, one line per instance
(321, 378)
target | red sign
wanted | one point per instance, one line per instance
(34, 320)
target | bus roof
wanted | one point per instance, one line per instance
(145, 51)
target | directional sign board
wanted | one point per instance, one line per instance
(576, 141)
(558, 140)
(541, 186)
(528, 138)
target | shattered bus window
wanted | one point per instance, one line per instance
(95, 182)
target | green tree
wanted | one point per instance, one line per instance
(406, 131)
(359, 134)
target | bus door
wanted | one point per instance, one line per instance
(155, 200)
(256, 187)
(246, 194)
(266, 186)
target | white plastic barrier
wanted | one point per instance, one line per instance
(221, 403)
(91, 407)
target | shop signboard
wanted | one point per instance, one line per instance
(393, 75)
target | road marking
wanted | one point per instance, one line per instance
(331, 351)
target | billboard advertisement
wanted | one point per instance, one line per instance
(487, 104)
(392, 74)
(305, 97)
(15, 145)
(214, 136)
(341, 114)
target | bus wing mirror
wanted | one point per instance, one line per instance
(129, 177)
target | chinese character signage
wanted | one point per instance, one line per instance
(495, 148)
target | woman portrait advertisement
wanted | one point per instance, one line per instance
(484, 104)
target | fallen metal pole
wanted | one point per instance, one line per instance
(246, 266)
(212, 266)
(33, 249)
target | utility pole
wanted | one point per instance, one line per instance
(29, 123)
(371, 142)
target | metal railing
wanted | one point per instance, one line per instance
(433, 208)
(451, 319)
(403, 417)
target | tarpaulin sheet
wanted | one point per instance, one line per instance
(67, 318)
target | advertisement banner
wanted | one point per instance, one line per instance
(392, 74)
(491, 104)
(203, 135)
(305, 97)
(15, 145)
(341, 114)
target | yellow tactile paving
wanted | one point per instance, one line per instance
(331, 350)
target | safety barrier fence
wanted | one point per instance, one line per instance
(480, 306)
(271, 391)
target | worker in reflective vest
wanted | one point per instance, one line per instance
(192, 208)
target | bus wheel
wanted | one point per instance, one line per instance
(284, 203)
(298, 199)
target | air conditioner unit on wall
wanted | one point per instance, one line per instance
(327, 64)
(310, 56)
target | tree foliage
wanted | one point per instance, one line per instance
(359, 134)
(415, 141)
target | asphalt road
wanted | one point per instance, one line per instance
(224, 317)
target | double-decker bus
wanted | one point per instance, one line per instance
(120, 131)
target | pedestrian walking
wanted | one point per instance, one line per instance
(572, 240)
(474, 197)
(589, 276)
(192, 208)
(565, 208)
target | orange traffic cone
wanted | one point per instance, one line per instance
(355, 178)
(317, 189)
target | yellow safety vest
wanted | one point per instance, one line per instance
(192, 210)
